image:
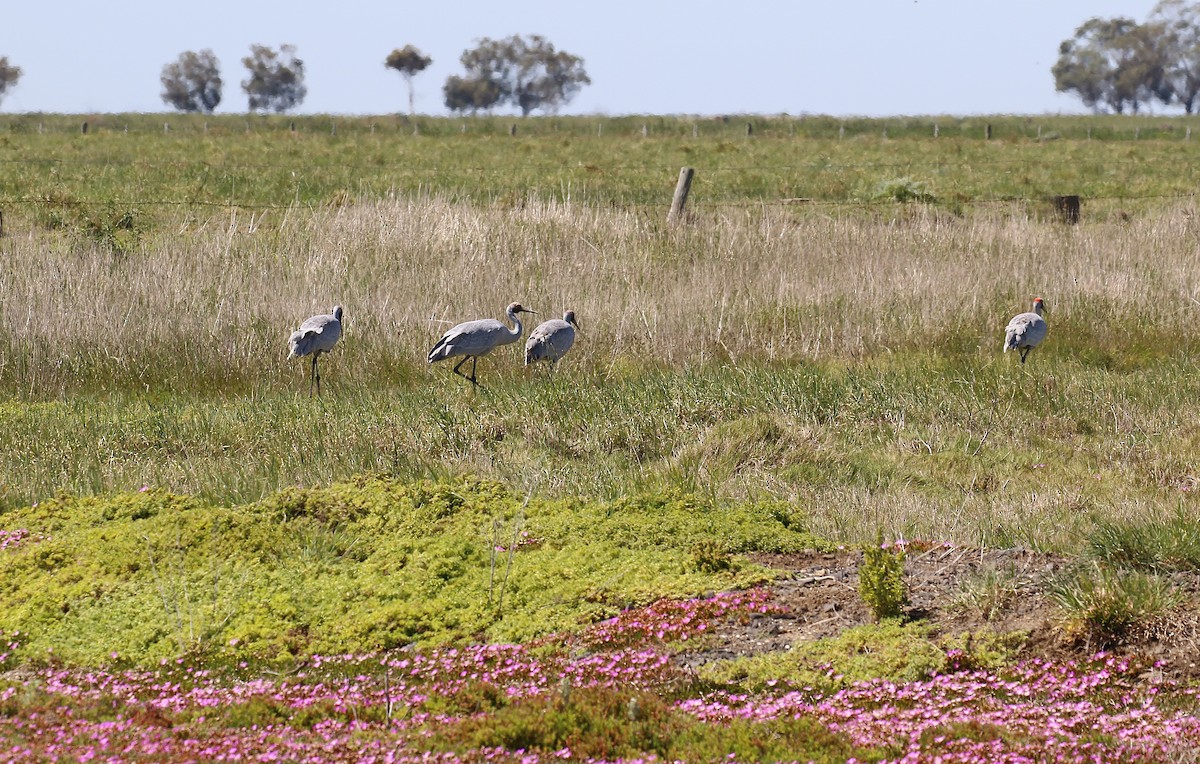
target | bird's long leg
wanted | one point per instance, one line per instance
(472, 377)
(1024, 352)
(312, 372)
(317, 372)
(458, 366)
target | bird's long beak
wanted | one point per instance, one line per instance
(527, 310)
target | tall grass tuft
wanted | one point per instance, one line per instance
(1151, 545)
(1104, 606)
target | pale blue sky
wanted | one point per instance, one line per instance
(836, 57)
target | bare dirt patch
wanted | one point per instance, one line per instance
(820, 594)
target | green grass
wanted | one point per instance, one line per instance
(126, 164)
(991, 455)
(837, 361)
(1159, 545)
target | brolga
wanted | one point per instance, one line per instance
(473, 339)
(315, 336)
(1026, 330)
(551, 339)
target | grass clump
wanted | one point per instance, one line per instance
(989, 592)
(1166, 545)
(1105, 605)
(903, 190)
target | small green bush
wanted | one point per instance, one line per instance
(710, 557)
(881, 580)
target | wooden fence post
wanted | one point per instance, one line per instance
(1068, 208)
(682, 187)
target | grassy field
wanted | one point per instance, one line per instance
(811, 359)
(848, 360)
(128, 166)
(840, 353)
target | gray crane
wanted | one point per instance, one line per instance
(1026, 330)
(315, 336)
(551, 339)
(473, 339)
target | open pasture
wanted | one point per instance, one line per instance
(811, 359)
(843, 352)
(130, 165)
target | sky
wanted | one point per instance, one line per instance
(832, 57)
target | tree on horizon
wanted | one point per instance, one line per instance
(409, 61)
(1120, 65)
(276, 78)
(192, 83)
(525, 72)
(10, 74)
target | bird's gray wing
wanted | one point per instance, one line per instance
(1018, 327)
(470, 338)
(317, 332)
(316, 324)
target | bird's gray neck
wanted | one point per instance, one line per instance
(515, 333)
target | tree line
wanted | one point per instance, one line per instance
(1111, 64)
(527, 73)
(1121, 66)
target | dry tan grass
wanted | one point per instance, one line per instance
(741, 285)
(848, 364)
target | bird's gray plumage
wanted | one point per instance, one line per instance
(315, 336)
(1026, 330)
(551, 339)
(473, 339)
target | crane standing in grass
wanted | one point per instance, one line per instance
(1026, 330)
(551, 339)
(315, 336)
(473, 339)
